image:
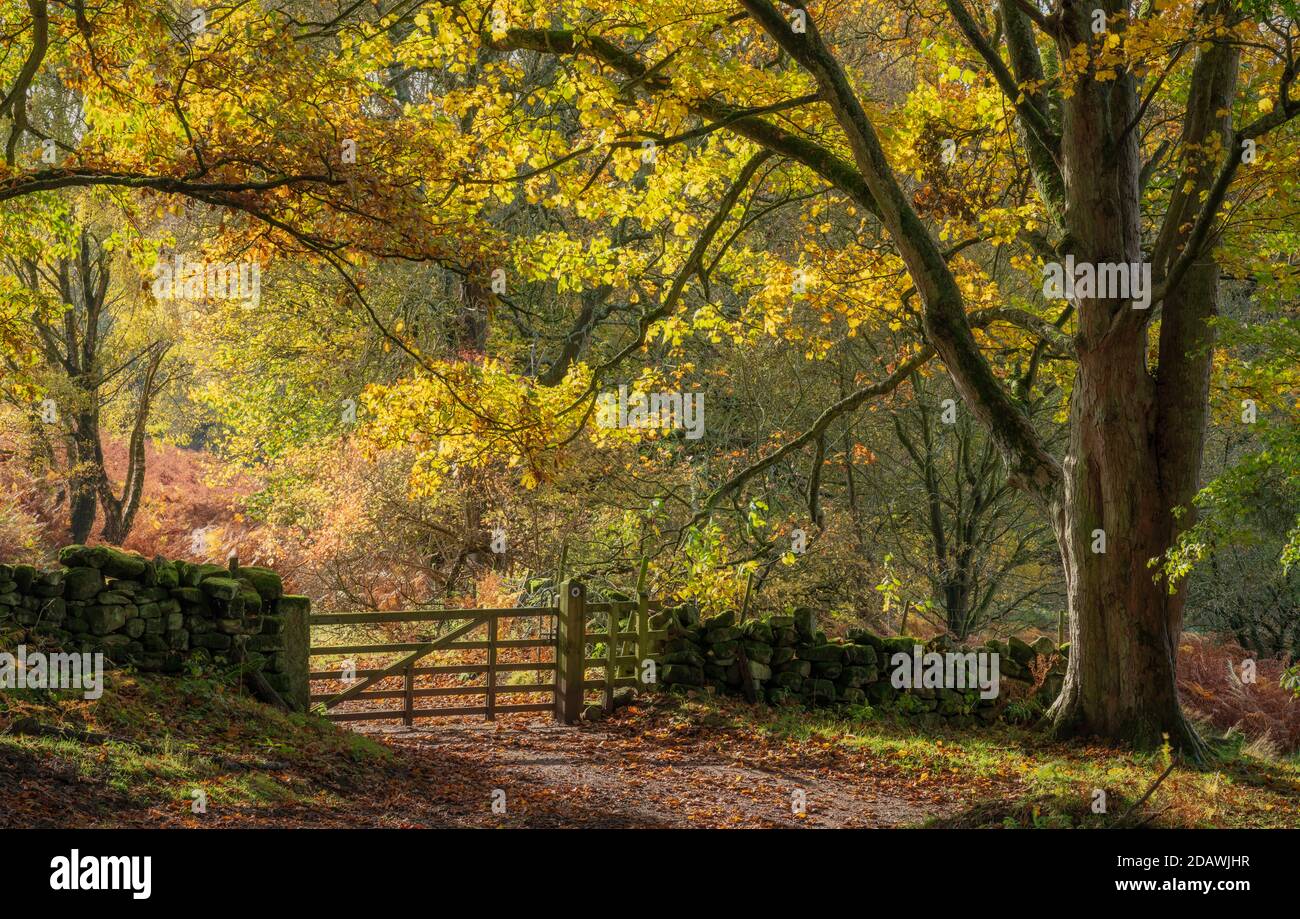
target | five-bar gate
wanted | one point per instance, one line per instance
(561, 639)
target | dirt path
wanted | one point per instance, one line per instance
(655, 767)
(621, 774)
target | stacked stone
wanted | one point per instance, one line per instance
(680, 661)
(154, 613)
(788, 660)
(817, 670)
(1017, 658)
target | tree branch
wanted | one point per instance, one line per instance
(844, 406)
(946, 323)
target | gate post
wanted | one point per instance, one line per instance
(570, 651)
(642, 635)
(642, 620)
(296, 656)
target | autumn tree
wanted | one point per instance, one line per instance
(83, 367)
(1135, 125)
(269, 116)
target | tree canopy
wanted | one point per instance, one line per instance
(479, 218)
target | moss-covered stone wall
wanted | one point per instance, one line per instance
(787, 659)
(155, 614)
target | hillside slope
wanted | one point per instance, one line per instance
(135, 758)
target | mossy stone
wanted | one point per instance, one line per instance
(757, 630)
(785, 637)
(105, 619)
(803, 668)
(682, 674)
(166, 575)
(24, 576)
(221, 588)
(723, 620)
(788, 680)
(82, 583)
(267, 583)
(690, 658)
(821, 653)
(1020, 651)
(901, 644)
(819, 691)
(859, 654)
(827, 670)
(119, 564)
(79, 556)
(855, 676)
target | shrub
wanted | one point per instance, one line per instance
(1265, 712)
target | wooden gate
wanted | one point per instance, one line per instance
(561, 637)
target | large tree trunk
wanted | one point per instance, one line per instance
(1120, 682)
(1137, 437)
(957, 594)
(1114, 519)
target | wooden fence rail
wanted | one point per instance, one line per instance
(629, 642)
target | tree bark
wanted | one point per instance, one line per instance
(1136, 436)
(86, 462)
(1120, 682)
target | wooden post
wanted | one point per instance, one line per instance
(642, 618)
(611, 656)
(744, 606)
(570, 651)
(564, 558)
(491, 713)
(408, 710)
(642, 632)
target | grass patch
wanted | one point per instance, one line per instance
(1012, 776)
(150, 741)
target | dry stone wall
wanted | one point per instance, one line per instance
(155, 614)
(787, 659)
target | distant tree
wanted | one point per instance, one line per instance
(83, 372)
(959, 524)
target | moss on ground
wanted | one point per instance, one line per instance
(150, 741)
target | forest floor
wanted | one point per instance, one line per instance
(139, 755)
